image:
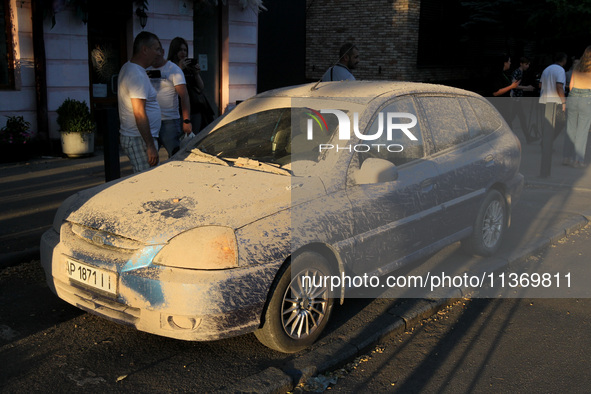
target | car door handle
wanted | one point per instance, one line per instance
(427, 185)
(489, 160)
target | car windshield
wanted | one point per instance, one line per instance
(267, 136)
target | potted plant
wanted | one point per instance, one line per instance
(15, 140)
(76, 128)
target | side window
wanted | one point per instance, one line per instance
(446, 121)
(474, 128)
(400, 149)
(488, 117)
(6, 63)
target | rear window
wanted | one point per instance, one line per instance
(446, 121)
(400, 149)
(488, 119)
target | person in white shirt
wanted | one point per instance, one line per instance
(348, 60)
(554, 100)
(169, 81)
(139, 112)
(552, 82)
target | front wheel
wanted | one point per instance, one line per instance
(299, 305)
(489, 226)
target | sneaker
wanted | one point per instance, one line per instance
(578, 164)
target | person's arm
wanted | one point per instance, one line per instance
(194, 73)
(504, 90)
(185, 106)
(525, 88)
(560, 92)
(143, 125)
(198, 80)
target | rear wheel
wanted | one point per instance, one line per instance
(299, 306)
(489, 226)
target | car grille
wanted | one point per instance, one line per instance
(104, 239)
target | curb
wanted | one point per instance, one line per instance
(328, 356)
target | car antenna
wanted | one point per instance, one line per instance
(334, 64)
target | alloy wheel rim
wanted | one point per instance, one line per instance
(304, 304)
(492, 224)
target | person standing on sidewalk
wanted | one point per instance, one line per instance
(501, 86)
(202, 112)
(552, 96)
(578, 118)
(169, 82)
(139, 112)
(348, 60)
(517, 102)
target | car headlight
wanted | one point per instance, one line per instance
(209, 247)
(63, 212)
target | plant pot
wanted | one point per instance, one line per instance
(77, 144)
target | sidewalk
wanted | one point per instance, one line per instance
(549, 209)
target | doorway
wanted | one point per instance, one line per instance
(107, 52)
(206, 48)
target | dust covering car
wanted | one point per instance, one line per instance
(236, 232)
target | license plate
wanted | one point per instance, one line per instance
(91, 276)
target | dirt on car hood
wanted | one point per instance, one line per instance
(154, 206)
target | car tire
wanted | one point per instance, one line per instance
(296, 315)
(489, 226)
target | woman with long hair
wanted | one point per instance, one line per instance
(578, 108)
(201, 112)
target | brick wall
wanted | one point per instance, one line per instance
(386, 33)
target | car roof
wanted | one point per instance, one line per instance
(362, 91)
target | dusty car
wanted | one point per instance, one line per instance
(303, 182)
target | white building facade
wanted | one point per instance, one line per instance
(35, 80)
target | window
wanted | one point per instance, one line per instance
(400, 149)
(474, 128)
(446, 121)
(488, 117)
(6, 47)
(275, 136)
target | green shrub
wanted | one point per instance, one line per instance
(73, 116)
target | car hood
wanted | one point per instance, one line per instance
(154, 206)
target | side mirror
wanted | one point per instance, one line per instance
(375, 170)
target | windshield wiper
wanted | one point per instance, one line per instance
(245, 162)
(198, 155)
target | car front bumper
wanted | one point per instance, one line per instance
(185, 304)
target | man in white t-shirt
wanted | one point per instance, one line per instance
(552, 82)
(348, 60)
(169, 81)
(552, 96)
(139, 112)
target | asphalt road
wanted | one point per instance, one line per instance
(46, 345)
(519, 345)
(526, 345)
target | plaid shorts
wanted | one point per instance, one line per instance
(135, 148)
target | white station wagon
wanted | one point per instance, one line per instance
(341, 178)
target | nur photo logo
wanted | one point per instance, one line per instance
(392, 125)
